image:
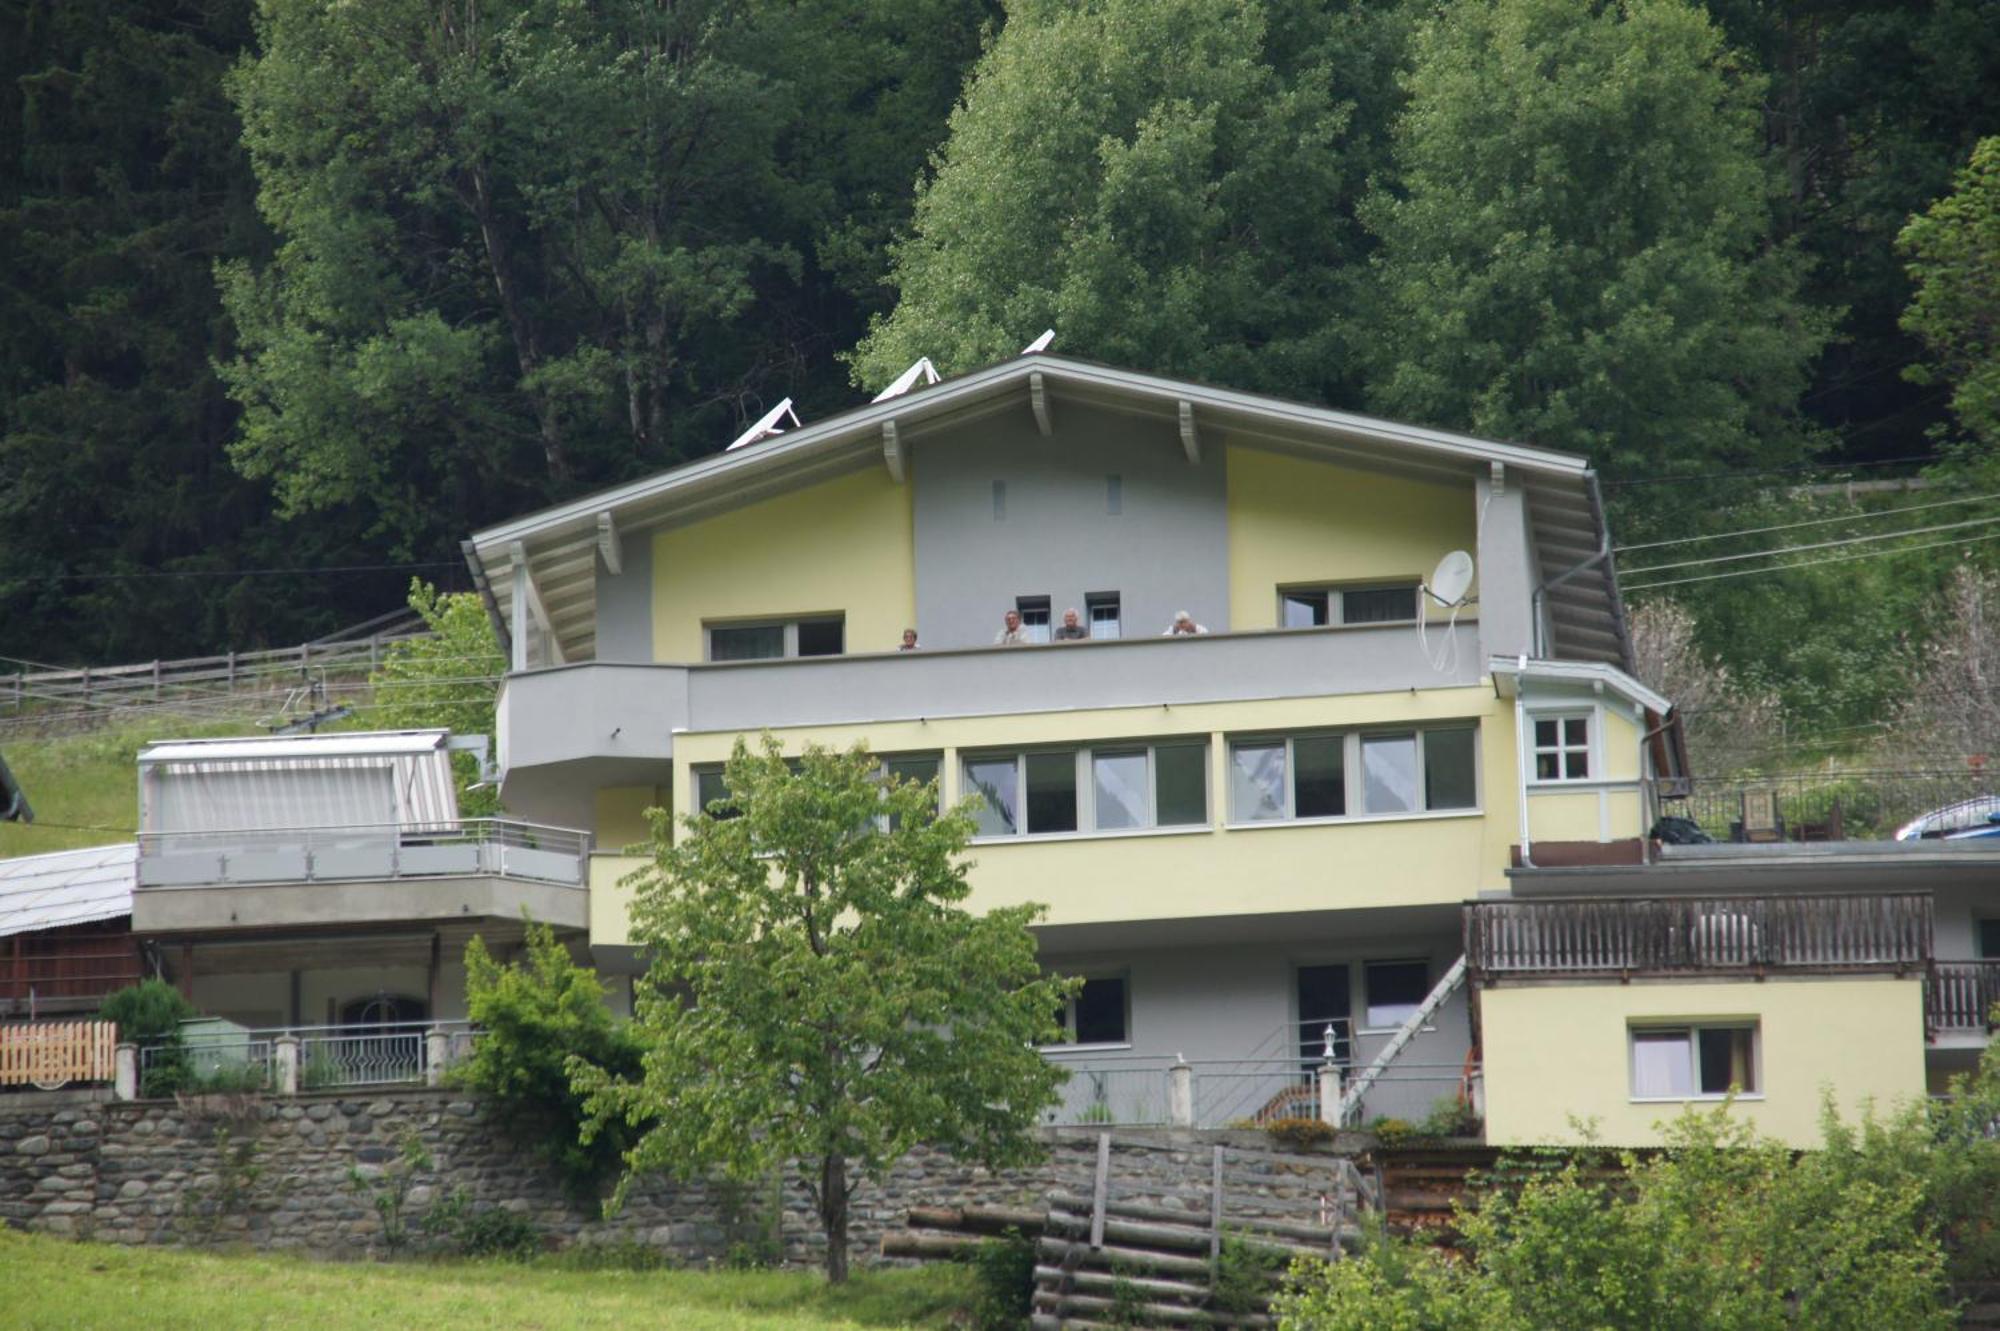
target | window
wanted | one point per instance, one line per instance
(917, 767)
(1989, 939)
(1306, 776)
(711, 794)
(819, 636)
(1034, 616)
(1686, 1062)
(1314, 607)
(1103, 609)
(1113, 789)
(1396, 989)
(1562, 748)
(1099, 1013)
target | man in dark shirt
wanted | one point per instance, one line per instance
(1071, 629)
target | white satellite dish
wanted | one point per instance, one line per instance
(1451, 579)
(922, 371)
(767, 424)
(1041, 343)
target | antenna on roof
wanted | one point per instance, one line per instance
(766, 425)
(1041, 343)
(923, 371)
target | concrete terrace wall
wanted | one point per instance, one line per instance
(133, 1173)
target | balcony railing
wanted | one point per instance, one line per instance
(1961, 996)
(474, 846)
(329, 1057)
(1689, 935)
(1831, 806)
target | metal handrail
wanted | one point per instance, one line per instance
(363, 851)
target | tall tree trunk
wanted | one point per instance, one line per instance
(527, 347)
(833, 1215)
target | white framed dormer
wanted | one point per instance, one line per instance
(1565, 745)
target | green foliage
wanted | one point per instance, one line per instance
(1577, 249)
(1956, 310)
(1242, 1283)
(1169, 185)
(818, 991)
(607, 1255)
(1721, 1232)
(146, 1012)
(1300, 1134)
(1449, 1116)
(449, 679)
(1005, 1272)
(388, 1189)
(456, 1225)
(751, 1213)
(211, 1200)
(536, 1015)
(1393, 1132)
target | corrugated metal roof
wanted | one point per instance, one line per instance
(66, 887)
(373, 743)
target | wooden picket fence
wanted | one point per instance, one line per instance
(51, 1054)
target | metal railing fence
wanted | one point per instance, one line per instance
(328, 1057)
(500, 846)
(1860, 805)
(1111, 1090)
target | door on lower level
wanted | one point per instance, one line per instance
(1324, 998)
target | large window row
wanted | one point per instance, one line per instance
(1357, 773)
(1115, 788)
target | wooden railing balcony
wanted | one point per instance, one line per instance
(1961, 996)
(1698, 935)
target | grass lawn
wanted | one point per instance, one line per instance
(50, 1283)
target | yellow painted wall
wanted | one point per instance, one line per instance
(1620, 745)
(621, 815)
(844, 545)
(1569, 815)
(1298, 521)
(611, 899)
(1556, 1051)
(1215, 870)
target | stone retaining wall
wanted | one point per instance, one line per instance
(275, 1174)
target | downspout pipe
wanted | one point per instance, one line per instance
(484, 586)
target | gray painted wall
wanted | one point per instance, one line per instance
(1507, 576)
(1166, 549)
(625, 603)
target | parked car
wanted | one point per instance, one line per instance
(1975, 817)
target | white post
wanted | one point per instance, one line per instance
(1180, 1093)
(125, 1072)
(1329, 1094)
(437, 1055)
(285, 1050)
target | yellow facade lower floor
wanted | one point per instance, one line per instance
(1559, 1060)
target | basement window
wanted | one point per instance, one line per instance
(1692, 1062)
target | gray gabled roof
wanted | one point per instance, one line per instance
(66, 887)
(560, 544)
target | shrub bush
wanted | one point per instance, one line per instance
(1004, 1271)
(1299, 1133)
(149, 1014)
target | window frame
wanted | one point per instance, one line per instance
(1365, 1024)
(1085, 757)
(1353, 774)
(1562, 749)
(1070, 1043)
(882, 761)
(1093, 602)
(1336, 607)
(1693, 1029)
(789, 625)
(1037, 618)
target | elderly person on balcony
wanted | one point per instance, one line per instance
(1184, 626)
(1071, 629)
(1011, 633)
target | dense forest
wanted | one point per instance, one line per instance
(298, 293)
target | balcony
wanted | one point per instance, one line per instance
(1869, 805)
(622, 716)
(1685, 936)
(357, 874)
(1960, 997)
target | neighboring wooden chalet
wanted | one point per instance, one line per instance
(66, 930)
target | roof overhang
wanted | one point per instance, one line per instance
(557, 549)
(365, 744)
(1776, 868)
(1510, 671)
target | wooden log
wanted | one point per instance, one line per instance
(1184, 1239)
(1109, 1280)
(976, 1219)
(1137, 1258)
(1139, 1211)
(1156, 1314)
(929, 1247)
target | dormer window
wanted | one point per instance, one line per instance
(768, 640)
(1317, 607)
(1562, 748)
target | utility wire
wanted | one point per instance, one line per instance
(238, 572)
(1810, 563)
(1812, 522)
(1816, 545)
(1668, 478)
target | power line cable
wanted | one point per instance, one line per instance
(1668, 478)
(301, 569)
(1811, 522)
(1815, 545)
(1811, 563)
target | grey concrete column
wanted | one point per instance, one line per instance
(1329, 1093)
(1180, 1094)
(1508, 574)
(437, 1055)
(285, 1053)
(125, 1072)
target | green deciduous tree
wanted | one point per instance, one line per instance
(1170, 185)
(1954, 254)
(1577, 248)
(534, 1015)
(450, 678)
(819, 993)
